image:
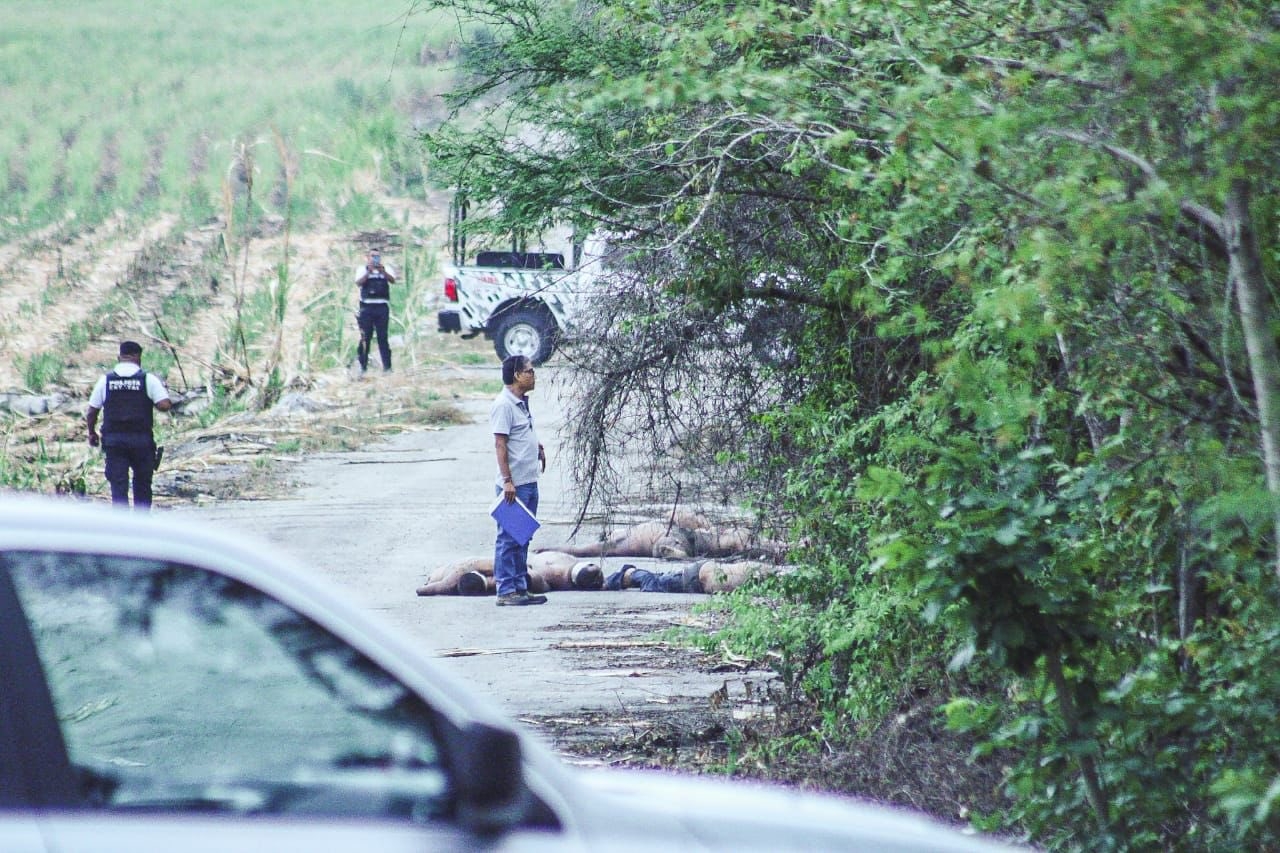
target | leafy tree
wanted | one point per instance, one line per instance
(977, 297)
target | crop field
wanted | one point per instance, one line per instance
(141, 107)
(204, 178)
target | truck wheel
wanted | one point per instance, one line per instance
(526, 331)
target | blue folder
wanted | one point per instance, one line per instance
(515, 519)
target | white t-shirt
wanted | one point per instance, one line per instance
(155, 386)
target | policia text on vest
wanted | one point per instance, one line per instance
(127, 397)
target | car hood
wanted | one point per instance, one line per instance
(740, 815)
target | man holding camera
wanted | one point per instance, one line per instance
(128, 397)
(374, 279)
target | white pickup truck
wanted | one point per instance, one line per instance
(522, 301)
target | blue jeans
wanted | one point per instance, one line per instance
(510, 558)
(647, 581)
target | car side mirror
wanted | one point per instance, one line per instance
(489, 779)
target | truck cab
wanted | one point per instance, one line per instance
(522, 301)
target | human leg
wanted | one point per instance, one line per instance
(143, 463)
(631, 577)
(660, 581)
(365, 321)
(511, 558)
(117, 473)
(528, 495)
(506, 552)
(381, 323)
(510, 569)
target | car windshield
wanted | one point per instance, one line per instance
(178, 688)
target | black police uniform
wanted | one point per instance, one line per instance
(374, 317)
(128, 439)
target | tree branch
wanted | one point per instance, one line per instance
(1191, 209)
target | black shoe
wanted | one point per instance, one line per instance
(516, 599)
(520, 599)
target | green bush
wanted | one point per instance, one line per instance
(41, 370)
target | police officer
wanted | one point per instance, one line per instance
(128, 397)
(374, 280)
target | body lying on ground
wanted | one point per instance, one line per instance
(557, 572)
(707, 576)
(685, 537)
(548, 571)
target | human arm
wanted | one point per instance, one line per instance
(97, 399)
(158, 394)
(504, 467)
(91, 422)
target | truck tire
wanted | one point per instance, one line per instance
(526, 331)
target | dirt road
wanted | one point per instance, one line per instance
(586, 666)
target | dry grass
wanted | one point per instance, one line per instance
(909, 760)
(118, 281)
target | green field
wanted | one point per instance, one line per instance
(126, 105)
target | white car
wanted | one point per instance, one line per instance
(164, 688)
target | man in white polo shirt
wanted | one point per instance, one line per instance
(520, 460)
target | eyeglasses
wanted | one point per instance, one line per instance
(528, 370)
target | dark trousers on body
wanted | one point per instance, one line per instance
(677, 580)
(130, 453)
(374, 317)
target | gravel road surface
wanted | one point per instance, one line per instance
(376, 521)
